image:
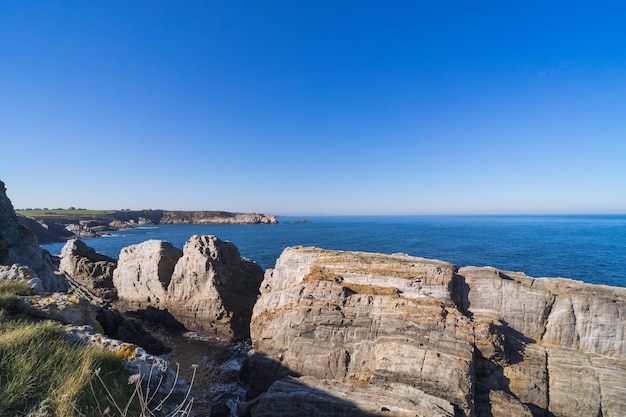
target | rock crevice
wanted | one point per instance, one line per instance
(483, 341)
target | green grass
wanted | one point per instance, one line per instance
(63, 213)
(44, 375)
(8, 292)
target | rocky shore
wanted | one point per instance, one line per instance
(338, 333)
(55, 228)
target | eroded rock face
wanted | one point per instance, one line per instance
(571, 358)
(365, 320)
(90, 269)
(213, 289)
(208, 286)
(144, 272)
(482, 341)
(19, 248)
(66, 308)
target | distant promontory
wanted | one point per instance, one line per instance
(62, 224)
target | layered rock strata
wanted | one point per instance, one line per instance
(397, 335)
(207, 286)
(21, 258)
(571, 360)
(88, 268)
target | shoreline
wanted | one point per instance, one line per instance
(53, 226)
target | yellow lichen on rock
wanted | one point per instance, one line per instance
(126, 351)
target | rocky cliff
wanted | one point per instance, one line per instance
(93, 271)
(345, 333)
(21, 258)
(145, 271)
(207, 286)
(212, 217)
(54, 226)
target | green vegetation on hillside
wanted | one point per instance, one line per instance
(63, 213)
(44, 375)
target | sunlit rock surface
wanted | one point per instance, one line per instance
(207, 286)
(483, 341)
(144, 272)
(91, 270)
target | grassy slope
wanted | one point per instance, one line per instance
(43, 374)
(79, 214)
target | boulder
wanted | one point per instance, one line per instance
(156, 372)
(88, 268)
(208, 287)
(19, 248)
(65, 308)
(372, 332)
(144, 272)
(213, 289)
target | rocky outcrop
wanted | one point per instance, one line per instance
(213, 217)
(208, 286)
(155, 371)
(309, 396)
(144, 272)
(55, 226)
(46, 232)
(91, 270)
(65, 308)
(213, 289)
(397, 335)
(573, 359)
(20, 254)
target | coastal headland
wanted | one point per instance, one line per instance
(58, 225)
(335, 333)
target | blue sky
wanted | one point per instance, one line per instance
(325, 107)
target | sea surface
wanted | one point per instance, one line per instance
(590, 248)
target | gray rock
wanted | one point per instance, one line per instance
(65, 308)
(208, 286)
(483, 341)
(91, 270)
(19, 246)
(154, 370)
(144, 272)
(213, 289)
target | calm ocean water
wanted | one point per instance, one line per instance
(589, 248)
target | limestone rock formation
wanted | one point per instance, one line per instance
(308, 396)
(66, 308)
(19, 248)
(208, 286)
(573, 360)
(213, 289)
(212, 217)
(144, 272)
(91, 270)
(136, 360)
(377, 332)
(366, 320)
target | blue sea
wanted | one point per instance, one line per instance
(590, 248)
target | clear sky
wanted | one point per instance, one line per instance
(315, 107)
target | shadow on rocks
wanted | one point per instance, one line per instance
(276, 391)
